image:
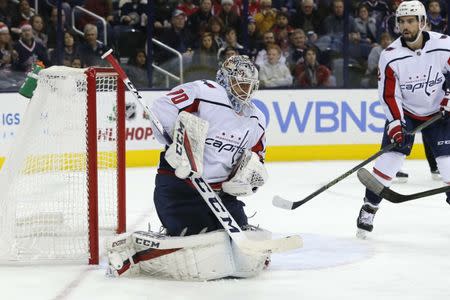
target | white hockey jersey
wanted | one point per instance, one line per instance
(229, 133)
(411, 82)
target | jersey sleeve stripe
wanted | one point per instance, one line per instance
(215, 103)
(438, 49)
(389, 92)
(192, 107)
(259, 124)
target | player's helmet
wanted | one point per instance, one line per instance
(239, 76)
(412, 8)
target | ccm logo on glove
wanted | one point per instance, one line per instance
(179, 140)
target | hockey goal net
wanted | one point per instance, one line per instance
(64, 178)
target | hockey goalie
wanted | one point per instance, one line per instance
(218, 134)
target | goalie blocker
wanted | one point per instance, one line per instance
(199, 257)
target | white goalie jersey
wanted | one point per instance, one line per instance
(229, 133)
(411, 82)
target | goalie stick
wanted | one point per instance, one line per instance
(287, 204)
(204, 189)
(378, 188)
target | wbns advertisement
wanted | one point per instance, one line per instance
(299, 122)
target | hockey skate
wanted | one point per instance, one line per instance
(435, 175)
(364, 222)
(401, 177)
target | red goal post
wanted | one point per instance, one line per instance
(64, 179)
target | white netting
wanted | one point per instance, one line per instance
(44, 198)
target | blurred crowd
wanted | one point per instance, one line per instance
(294, 43)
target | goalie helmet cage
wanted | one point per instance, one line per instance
(65, 175)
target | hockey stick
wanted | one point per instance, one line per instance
(211, 198)
(286, 204)
(378, 188)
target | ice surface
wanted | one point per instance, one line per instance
(406, 257)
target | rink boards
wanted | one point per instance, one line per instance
(301, 125)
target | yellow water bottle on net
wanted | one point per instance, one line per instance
(30, 82)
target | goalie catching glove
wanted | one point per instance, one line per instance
(185, 154)
(250, 174)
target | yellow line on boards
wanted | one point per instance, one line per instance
(146, 158)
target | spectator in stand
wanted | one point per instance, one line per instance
(334, 24)
(206, 55)
(363, 36)
(136, 69)
(333, 29)
(229, 17)
(371, 77)
(177, 37)
(229, 52)
(284, 5)
(282, 30)
(8, 56)
(132, 14)
(70, 50)
(188, 7)
(7, 53)
(266, 17)
(91, 50)
(230, 41)
(216, 7)
(378, 9)
(163, 14)
(253, 7)
(297, 47)
(307, 18)
(8, 9)
(104, 9)
(198, 21)
(22, 16)
(215, 26)
(261, 57)
(29, 51)
(37, 23)
(204, 61)
(274, 73)
(254, 40)
(437, 22)
(365, 25)
(76, 63)
(388, 24)
(46, 6)
(310, 73)
(52, 27)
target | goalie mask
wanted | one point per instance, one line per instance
(239, 76)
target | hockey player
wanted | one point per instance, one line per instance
(227, 135)
(411, 87)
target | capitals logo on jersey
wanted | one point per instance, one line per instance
(428, 82)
